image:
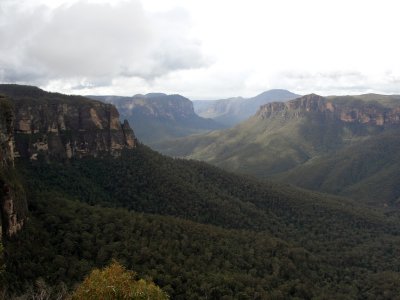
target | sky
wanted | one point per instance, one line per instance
(201, 49)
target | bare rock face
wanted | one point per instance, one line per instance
(368, 114)
(13, 205)
(63, 127)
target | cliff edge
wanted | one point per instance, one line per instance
(58, 126)
(13, 204)
(368, 113)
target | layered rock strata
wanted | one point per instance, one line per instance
(367, 114)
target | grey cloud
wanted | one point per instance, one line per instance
(93, 41)
(340, 82)
(325, 82)
(332, 75)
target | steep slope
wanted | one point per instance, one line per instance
(56, 125)
(157, 117)
(367, 171)
(234, 110)
(13, 205)
(313, 132)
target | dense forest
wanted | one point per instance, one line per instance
(343, 145)
(198, 232)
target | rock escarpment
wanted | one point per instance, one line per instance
(58, 126)
(155, 105)
(13, 205)
(369, 113)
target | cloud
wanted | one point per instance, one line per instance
(93, 42)
(202, 49)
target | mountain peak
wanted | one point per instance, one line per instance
(153, 95)
(277, 93)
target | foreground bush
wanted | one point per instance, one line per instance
(115, 282)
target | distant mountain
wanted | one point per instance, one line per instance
(346, 145)
(156, 117)
(234, 110)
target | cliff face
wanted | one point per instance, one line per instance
(35, 124)
(154, 105)
(59, 126)
(13, 205)
(368, 114)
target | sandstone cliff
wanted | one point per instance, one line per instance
(57, 126)
(13, 205)
(369, 113)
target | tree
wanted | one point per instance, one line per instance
(115, 282)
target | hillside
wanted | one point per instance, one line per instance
(207, 230)
(309, 142)
(232, 111)
(156, 117)
(195, 230)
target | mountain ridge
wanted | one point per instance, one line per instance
(307, 131)
(156, 117)
(231, 111)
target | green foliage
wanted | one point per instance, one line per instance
(257, 239)
(115, 282)
(6, 114)
(366, 171)
(33, 95)
(66, 239)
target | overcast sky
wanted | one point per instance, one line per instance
(201, 49)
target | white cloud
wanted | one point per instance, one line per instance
(201, 49)
(93, 42)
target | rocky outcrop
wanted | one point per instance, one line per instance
(369, 114)
(57, 126)
(13, 205)
(154, 105)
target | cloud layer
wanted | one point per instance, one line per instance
(93, 43)
(201, 49)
